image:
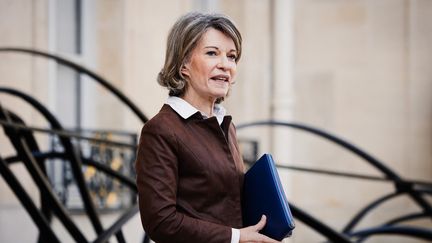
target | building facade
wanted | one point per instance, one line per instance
(356, 69)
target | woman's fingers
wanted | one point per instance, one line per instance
(260, 225)
(257, 237)
(250, 234)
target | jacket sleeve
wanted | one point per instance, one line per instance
(157, 177)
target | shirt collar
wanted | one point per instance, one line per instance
(186, 110)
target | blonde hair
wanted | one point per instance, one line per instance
(183, 38)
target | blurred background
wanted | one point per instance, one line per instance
(358, 69)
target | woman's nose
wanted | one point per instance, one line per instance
(224, 63)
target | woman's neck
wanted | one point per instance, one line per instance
(203, 105)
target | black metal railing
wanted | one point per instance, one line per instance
(416, 190)
(28, 152)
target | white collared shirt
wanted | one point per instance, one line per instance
(186, 110)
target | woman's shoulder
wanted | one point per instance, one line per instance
(162, 122)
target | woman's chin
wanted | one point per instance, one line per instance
(220, 94)
(219, 91)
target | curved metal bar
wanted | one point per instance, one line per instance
(425, 191)
(416, 232)
(416, 196)
(34, 147)
(74, 158)
(116, 227)
(41, 181)
(408, 217)
(131, 183)
(422, 186)
(360, 215)
(400, 184)
(331, 234)
(334, 173)
(66, 134)
(350, 147)
(82, 69)
(40, 221)
(27, 135)
(12, 159)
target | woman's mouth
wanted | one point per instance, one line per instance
(221, 78)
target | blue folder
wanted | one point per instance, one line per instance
(263, 194)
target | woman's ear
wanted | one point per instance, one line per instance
(185, 70)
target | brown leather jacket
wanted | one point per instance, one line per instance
(189, 178)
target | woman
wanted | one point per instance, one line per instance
(189, 168)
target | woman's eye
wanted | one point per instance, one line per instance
(211, 53)
(232, 57)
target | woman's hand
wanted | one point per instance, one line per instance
(250, 234)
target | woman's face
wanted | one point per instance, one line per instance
(211, 68)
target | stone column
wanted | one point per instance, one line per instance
(283, 76)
